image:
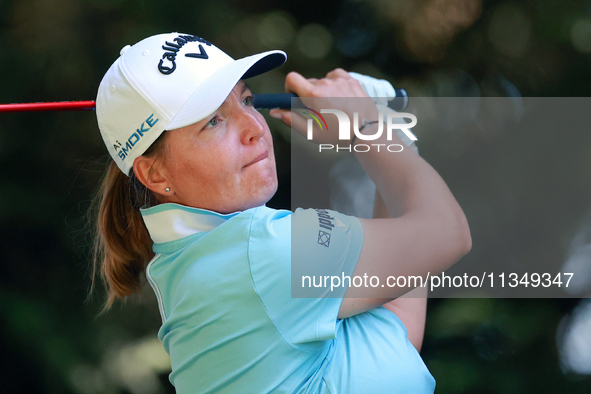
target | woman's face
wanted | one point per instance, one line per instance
(224, 163)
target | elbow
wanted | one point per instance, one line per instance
(463, 238)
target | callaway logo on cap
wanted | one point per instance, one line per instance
(166, 82)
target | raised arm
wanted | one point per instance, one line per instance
(429, 232)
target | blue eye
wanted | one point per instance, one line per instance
(247, 101)
(213, 122)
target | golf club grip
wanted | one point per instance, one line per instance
(283, 101)
(275, 101)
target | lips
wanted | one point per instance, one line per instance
(260, 157)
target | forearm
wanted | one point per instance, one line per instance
(404, 180)
(411, 309)
(412, 189)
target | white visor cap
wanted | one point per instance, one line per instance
(166, 82)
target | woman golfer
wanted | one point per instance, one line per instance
(183, 202)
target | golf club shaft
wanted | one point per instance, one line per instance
(53, 106)
(260, 101)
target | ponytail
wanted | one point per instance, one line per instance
(122, 244)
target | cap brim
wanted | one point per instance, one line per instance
(212, 92)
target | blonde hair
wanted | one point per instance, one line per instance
(122, 245)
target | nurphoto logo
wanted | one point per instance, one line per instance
(393, 121)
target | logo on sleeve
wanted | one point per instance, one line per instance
(326, 222)
(323, 238)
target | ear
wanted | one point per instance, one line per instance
(148, 171)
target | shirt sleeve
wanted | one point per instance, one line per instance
(299, 265)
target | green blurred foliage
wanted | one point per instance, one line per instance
(52, 340)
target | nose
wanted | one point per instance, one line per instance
(252, 126)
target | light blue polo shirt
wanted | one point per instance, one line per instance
(230, 324)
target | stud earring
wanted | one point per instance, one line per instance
(167, 189)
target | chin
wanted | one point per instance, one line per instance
(267, 194)
(263, 193)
